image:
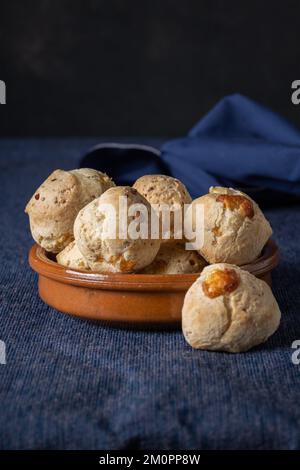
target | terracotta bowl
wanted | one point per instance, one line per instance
(133, 298)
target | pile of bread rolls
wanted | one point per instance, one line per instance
(226, 309)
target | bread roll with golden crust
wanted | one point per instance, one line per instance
(173, 258)
(162, 189)
(235, 229)
(228, 309)
(56, 203)
(105, 253)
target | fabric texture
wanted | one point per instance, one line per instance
(73, 384)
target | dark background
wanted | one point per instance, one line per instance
(139, 67)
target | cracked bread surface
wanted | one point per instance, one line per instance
(243, 315)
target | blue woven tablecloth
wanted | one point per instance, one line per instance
(74, 384)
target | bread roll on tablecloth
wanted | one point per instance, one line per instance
(228, 309)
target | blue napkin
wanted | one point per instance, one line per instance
(124, 163)
(239, 143)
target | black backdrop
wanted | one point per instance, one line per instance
(141, 67)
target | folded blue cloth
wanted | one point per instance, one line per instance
(125, 162)
(239, 143)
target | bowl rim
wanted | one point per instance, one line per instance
(41, 263)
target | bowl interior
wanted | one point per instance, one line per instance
(45, 264)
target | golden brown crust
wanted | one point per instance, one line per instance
(237, 202)
(220, 282)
